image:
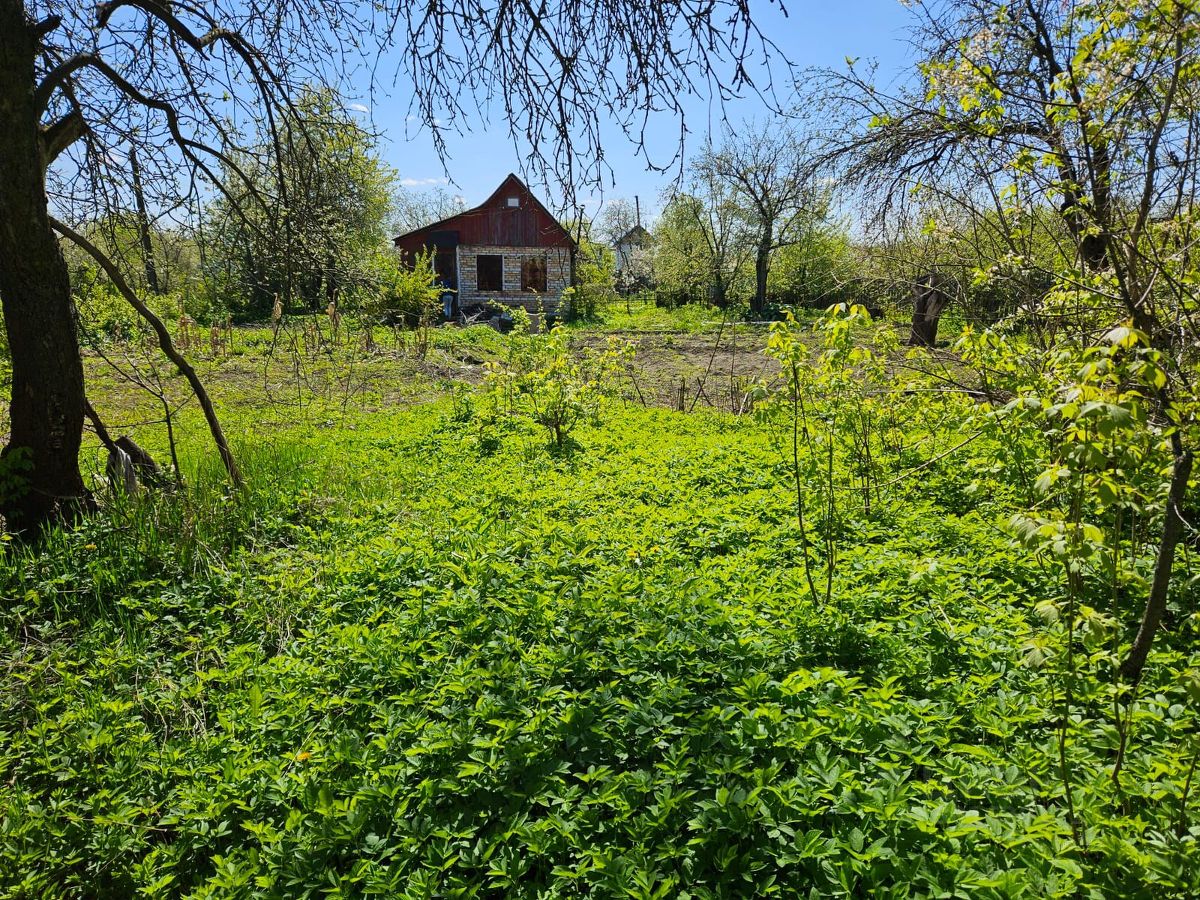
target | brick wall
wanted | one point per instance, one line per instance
(558, 276)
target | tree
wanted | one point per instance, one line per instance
(617, 228)
(1092, 108)
(322, 216)
(86, 80)
(702, 240)
(172, 253)
(820, 268)
(595, 278)
(616, 219)
(681, 258)
(412, 209)
(769, 172)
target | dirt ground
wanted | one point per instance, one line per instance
(689, 370)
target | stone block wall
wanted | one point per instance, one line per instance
(558, 276)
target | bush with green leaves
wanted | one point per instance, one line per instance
(105, 315)
(406, 293)
(547, 381)
(595, 285)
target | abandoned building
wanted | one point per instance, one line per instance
(509, 249)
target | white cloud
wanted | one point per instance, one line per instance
(422, 182)
(358, 107)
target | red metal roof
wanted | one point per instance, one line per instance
(495, 223)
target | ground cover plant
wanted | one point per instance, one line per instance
(429, 652)
(832, 534)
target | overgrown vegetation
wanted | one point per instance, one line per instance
(426, 653)
(595, 607)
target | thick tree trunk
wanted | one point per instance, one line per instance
(47, 372)
(929, 300)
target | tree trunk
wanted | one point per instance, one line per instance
(1156, 603)
(717, 292)
(143, 223)
(47, 372)
(929, 299)
(762, 265)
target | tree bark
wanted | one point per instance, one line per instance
(1156, 603)
(762, 265)
(35, 291)
(929, 300)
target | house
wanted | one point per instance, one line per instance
(509, 249)
(634, 260)
(631, 248)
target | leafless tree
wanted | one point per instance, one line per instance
(616, 219)
(413, 209)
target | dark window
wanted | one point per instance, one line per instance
(489, 270)
(533, 274)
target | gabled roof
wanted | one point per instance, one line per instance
(480, 221)
(635, 235)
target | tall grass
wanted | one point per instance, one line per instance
(136, 542)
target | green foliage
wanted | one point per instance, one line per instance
(423, 654)
(543, 380)
(105, 315)
(595, 282)
(818, 270)
(867, 642)
(176, 256)
(646, 312)
(406, 293)
(102, 310)
(701, 246)
(304, 219)
(841, 417)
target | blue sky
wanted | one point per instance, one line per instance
(814, 33)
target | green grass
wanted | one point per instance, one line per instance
(412, 660)
(640, 314)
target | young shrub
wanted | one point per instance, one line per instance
(545, 382)
(407, 295)
(835, 389)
